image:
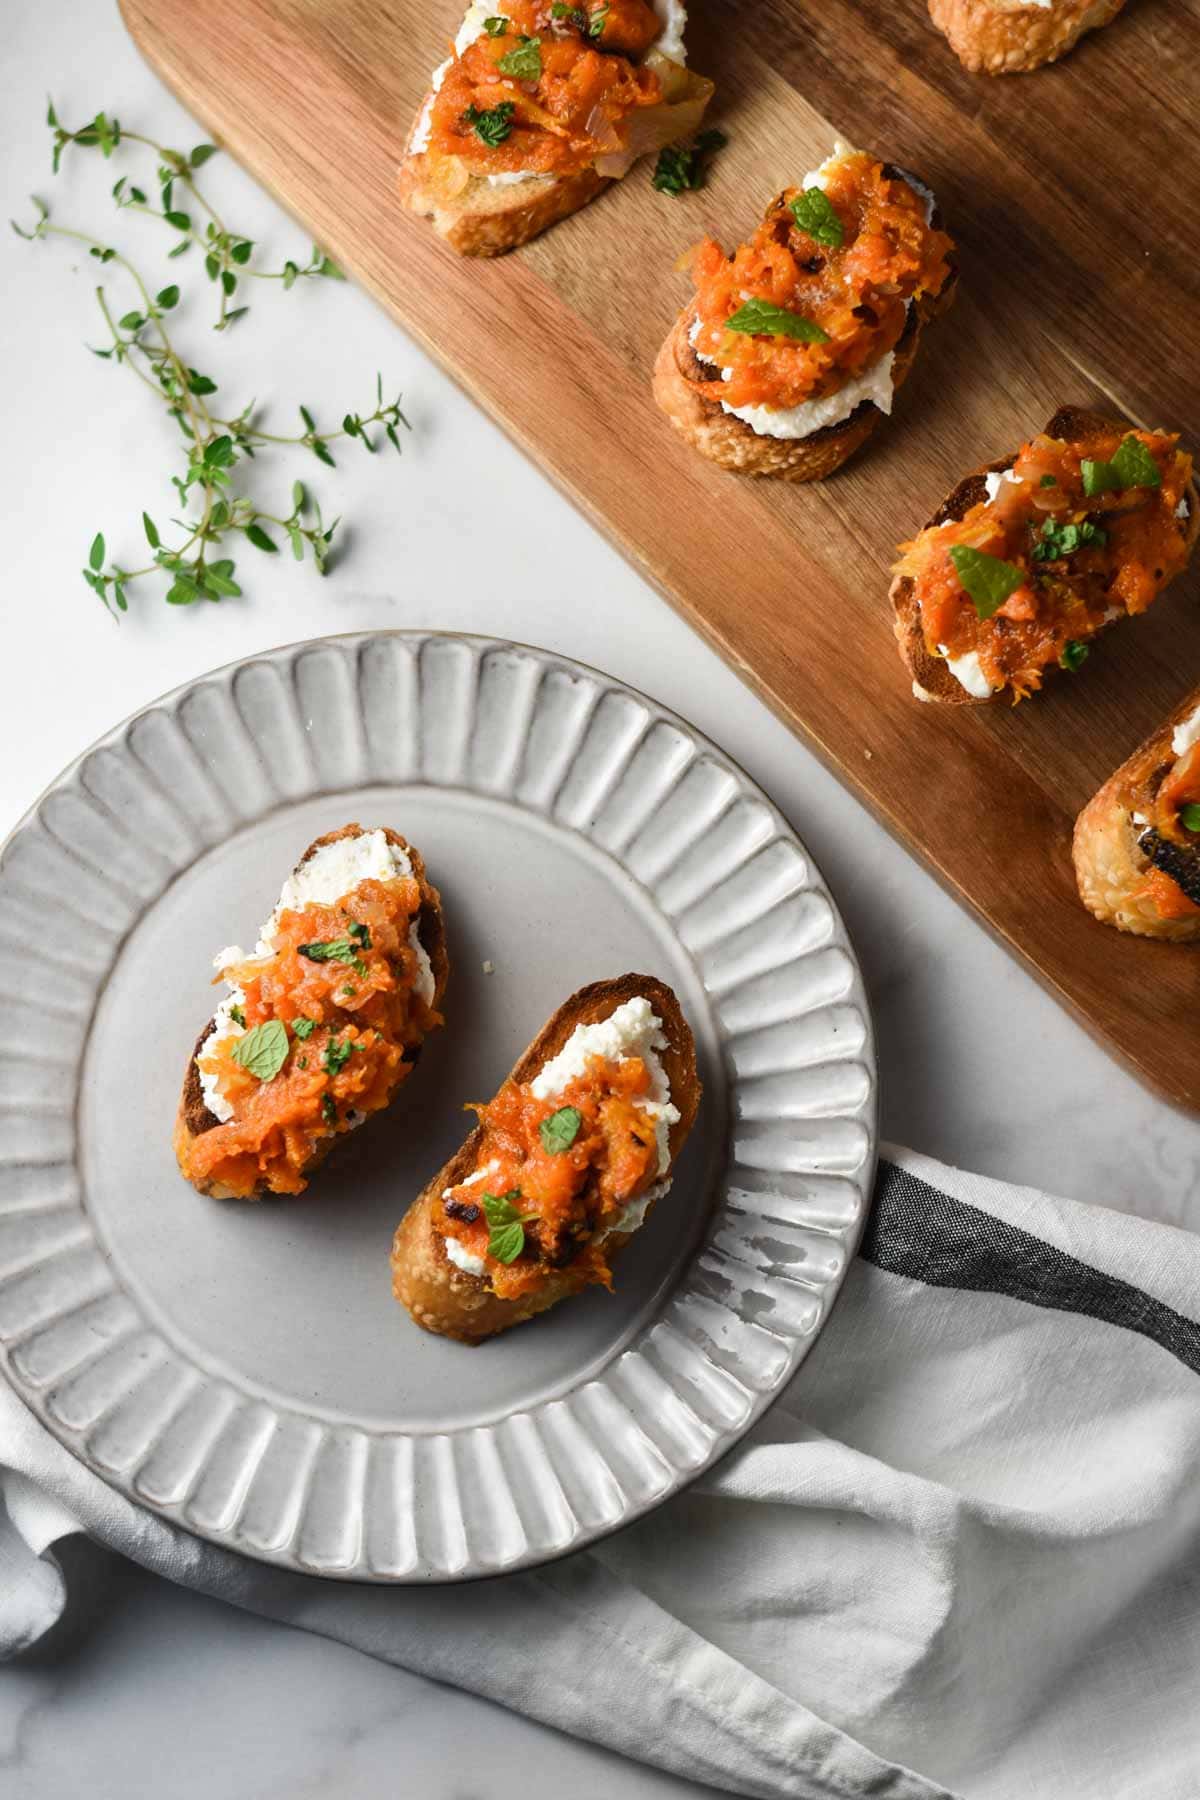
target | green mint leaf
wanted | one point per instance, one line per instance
(96, 553)
(264, 1050)
(525, 62)
(987, 580)
(495, 26)
(303, 1028)
(1074, 655)
(201, 154)
(760, 318)
(1057, 540)
(681, 166)
(814, 213)
(343, 949)
(338, 1052)
(506, 1242)
(259, 538)
(560, 1130)
(498, 1209)
(1098, 477)
(167, 298)
(495, 124)
(1189, 816)
(1134, 465)
(151, 530)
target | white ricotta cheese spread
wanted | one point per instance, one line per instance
(967, 672)
(1187, 734)
(993, 481)
(632, 1030)
(333, 870)
(462, 1258)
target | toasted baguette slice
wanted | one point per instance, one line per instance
(193, 1118)
(477, 219)
(1116, 846)
(443, 1298)
(734, 444)
(931, 677)
(1010, 37)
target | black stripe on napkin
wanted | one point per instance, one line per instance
(916, 1230)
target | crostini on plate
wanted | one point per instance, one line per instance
(563, 1167)
(540, 106)
(1137, 843)
(793, 348)
(1035, 553)
(1010, 37)
(321, 1024)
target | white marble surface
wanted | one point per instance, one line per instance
(978, 1065)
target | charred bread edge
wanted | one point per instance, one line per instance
(194, 1117)
(930, 673)
(467, 1308)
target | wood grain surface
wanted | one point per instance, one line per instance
(1074, 194)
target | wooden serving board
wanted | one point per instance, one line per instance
(1074, 194)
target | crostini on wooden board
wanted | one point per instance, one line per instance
(1011, 37)
(541, 105)
(321, 1024)
(1137, 842)
(1034, 554)
(565, 1164)
(791, 352)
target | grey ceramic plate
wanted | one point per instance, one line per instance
(244, 1370)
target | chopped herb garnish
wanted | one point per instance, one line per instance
(303, 1028)
(987, 580)
(493, 125)
(329, 1110)
(814, 213)
(1132, 466)
(1047, 481)
(343, 950)
(495, 26)
(1189, 816)
(683, 166)
(264, 1050)
(1056, 540)
(592, 27)
(524, 63)
(363, 934)
(1074, 655)
(762, 319)
(237, 1014)
(559, 1131)
(338, 1052)
(507, 1237)
(348, 992)
(302, 1062)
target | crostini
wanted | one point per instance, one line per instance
(542, 105)
(563, 1167)
(1137, 843)
(1010, 37)
(321, 1024)
(793, 348)
(1034, 554)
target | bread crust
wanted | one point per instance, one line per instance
(193, 1117)
(482, 220)
(1109, 865)
(735, 445)
(445, 1299)
(932, 679)
(1011, 37)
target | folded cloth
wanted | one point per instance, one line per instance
(963, 1541)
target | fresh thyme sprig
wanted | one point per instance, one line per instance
(216, 444)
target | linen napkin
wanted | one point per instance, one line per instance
(962, 1542)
